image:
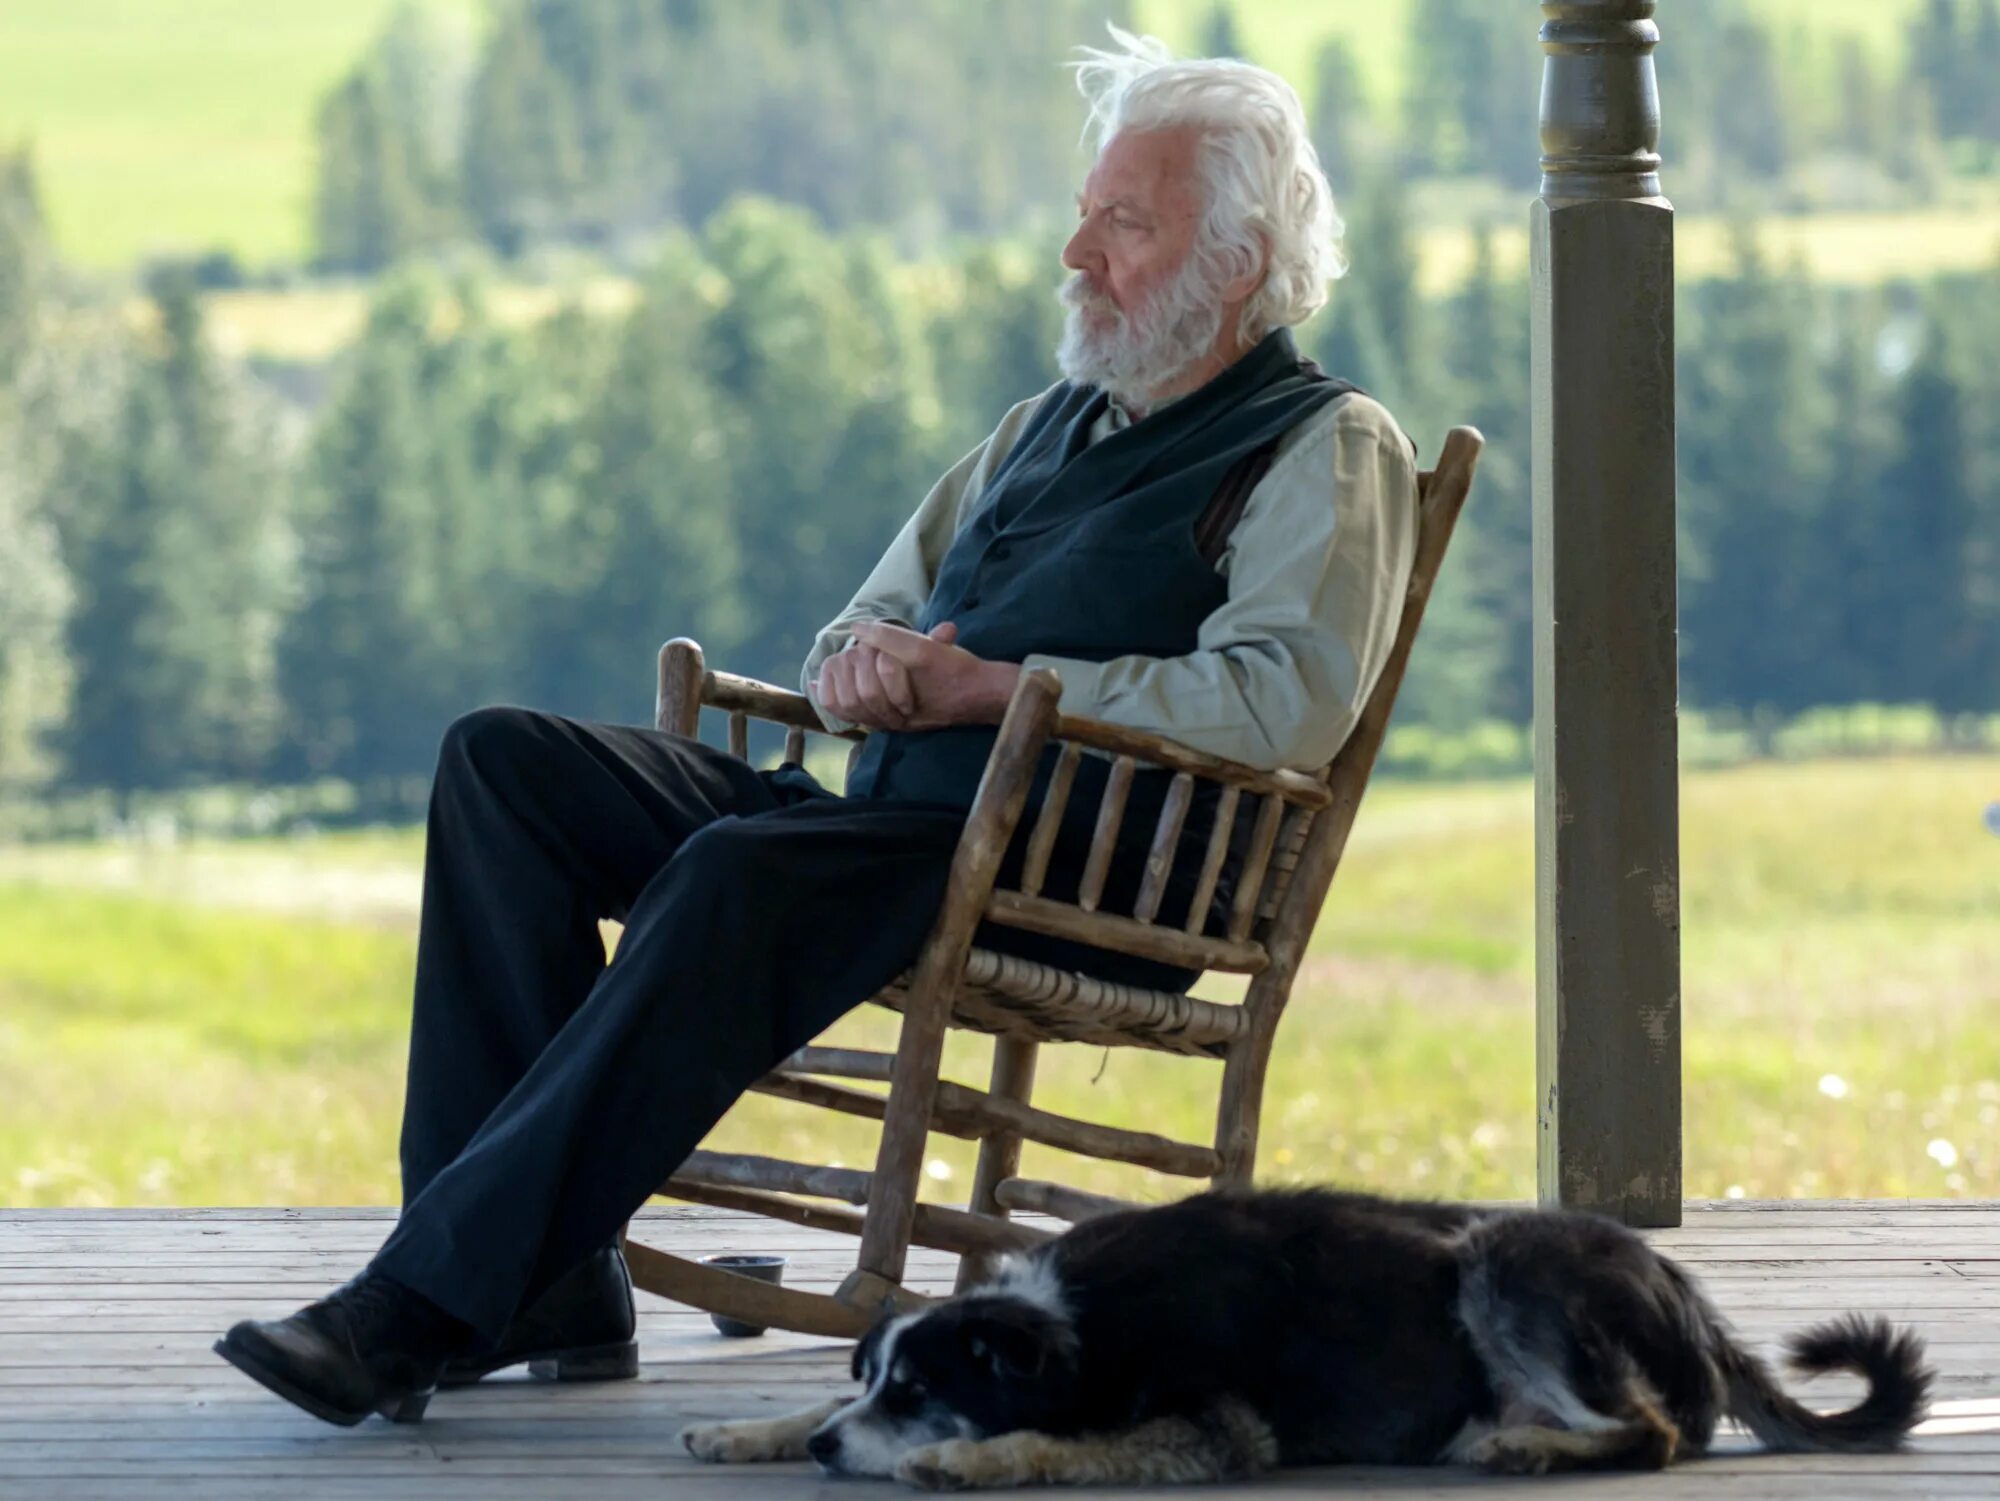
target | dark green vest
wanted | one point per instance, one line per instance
(1089, 550)
(1098, 551)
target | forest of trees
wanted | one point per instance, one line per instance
(598, 122)
(201, 590)
(208, 579)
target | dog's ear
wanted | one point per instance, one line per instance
(862, 1366)
(1014, 1340)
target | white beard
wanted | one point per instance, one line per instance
(1131, 357)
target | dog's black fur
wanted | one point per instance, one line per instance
(1252, 1328)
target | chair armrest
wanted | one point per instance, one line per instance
(686, 686)
(741, 695)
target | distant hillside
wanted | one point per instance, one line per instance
(188, 126)
(177, 126)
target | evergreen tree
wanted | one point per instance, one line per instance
(1485, 356)
(799, 362)
(1340, 114)
(1860, 123)
(1748, 420)
(1939, 63)
(1372, 336)
(183, 561)
(650, 550)
(1455, 46)
(1983, 66)
(1749, 109)
(1932, 542)
(1690, 86)
(517, 458)
(34, 609)
(600, 120)
(1858, 513)
(24, 259)
(388, 140)
(523, 155)
(1499, 107)
(996, 345)
(369, 683)
(1220, 36)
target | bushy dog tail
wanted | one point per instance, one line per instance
(1892, 1361)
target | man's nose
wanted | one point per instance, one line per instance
(1078, 255)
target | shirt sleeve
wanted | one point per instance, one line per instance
(1317, 568)
(899, 586)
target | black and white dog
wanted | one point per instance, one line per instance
(1240, 1330)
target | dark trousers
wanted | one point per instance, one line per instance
(549, 1093)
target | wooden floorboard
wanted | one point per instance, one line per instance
(108, 1387)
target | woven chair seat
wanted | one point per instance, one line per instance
(1010, 996)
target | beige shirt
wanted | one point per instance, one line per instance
(1316, 570)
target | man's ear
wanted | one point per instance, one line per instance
(1011, 1344)
(1241, 288)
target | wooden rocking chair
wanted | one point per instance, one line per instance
(1299, 826)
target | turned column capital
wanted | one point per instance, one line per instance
(1600, 100)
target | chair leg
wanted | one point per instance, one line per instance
(913, 1081)
(999, 1154)
(1240, 1110)
(906, 1124)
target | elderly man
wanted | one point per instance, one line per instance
(1200, 532)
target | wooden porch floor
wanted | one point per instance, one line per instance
(108, 1387)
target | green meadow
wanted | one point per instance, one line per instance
(177, 127)
(224, 1023)
(316, 322)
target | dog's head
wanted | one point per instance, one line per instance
(985, 1364)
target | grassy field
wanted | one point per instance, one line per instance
(317, 322)
(224, 1024)
(188, 126)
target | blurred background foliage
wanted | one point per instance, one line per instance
(618, 319)
(362, 361)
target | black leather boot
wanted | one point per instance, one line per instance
(581, 1329)
(372, 1345)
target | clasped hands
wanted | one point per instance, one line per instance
(894, 678)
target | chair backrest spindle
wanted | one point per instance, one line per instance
(1042, 842)
(1110, 815)
(1219, 834)
(1166, 840)
(1263, 836)
(1285, 857)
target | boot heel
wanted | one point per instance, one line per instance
(617, 1362)
(409, 1409)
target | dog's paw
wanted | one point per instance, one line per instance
(949, 1466)
(1509, 1452)
(729, 1443)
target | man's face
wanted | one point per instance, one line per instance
(1138, 212)
(1140, 309)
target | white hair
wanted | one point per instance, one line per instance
(1268, 201)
